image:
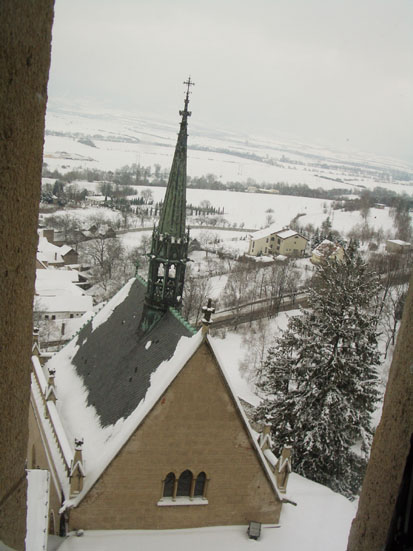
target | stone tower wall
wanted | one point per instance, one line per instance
(25, 36)
(391, 446)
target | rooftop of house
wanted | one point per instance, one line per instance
(283, 233)
(53, 282)
(399, 242)
(64, 303)
(64, 249)
(326, 248)
(51, 253)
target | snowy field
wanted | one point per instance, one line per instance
(320, 522)
(123, 139)
(251, 209)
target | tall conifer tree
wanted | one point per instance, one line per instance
(319, 379)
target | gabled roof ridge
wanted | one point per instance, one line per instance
(184, 322)
(141, 280)
(257, 448)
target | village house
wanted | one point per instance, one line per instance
(136, 419)
(398, 246)
(54, 255)
(60, 304)
(327, 250)
(276, 241)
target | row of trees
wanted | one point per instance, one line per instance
(138, 175)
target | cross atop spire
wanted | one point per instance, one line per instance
(185, 113)
(189, 83)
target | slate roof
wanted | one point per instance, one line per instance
(116, 361)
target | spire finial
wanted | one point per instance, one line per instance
(188, 83)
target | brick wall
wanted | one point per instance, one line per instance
(195, 426)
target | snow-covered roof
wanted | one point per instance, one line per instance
(274, 228)
(51, 253)
(282, 233)
(98, 403)
(64, 249)
(52, 282)
(399, 242)
(63, 303)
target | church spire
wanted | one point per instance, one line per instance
(169, 239)
(172, 220)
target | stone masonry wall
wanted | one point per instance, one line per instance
(196, 426)
(391, 445)
(25, 36)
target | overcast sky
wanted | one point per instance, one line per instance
(333, 72)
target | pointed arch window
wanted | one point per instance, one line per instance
(200, 485)
(185, 490)
(169, 485)
(184, 484)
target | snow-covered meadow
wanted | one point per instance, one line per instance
(252, 209)
(125, 138)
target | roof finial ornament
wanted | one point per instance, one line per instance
(206, 320)
(187, 83)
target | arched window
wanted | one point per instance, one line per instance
(168, 485)
(199, 489)
(184, 483)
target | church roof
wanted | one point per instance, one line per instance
(106, 398)
(114, 360)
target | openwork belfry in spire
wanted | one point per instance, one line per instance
(169, 249)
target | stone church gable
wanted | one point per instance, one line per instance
(194, 426)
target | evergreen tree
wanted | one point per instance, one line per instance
(319, 379)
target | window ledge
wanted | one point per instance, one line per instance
(169, 502)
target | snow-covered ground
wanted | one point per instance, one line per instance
(252, 209)
(125, 138)
(320, 522)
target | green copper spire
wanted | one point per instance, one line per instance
(169, 249)
(172, 220)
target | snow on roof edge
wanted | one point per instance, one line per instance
(270, 475)
(160, 381)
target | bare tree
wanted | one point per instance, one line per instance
(147, 196)
(107, 259)
(196, 293)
